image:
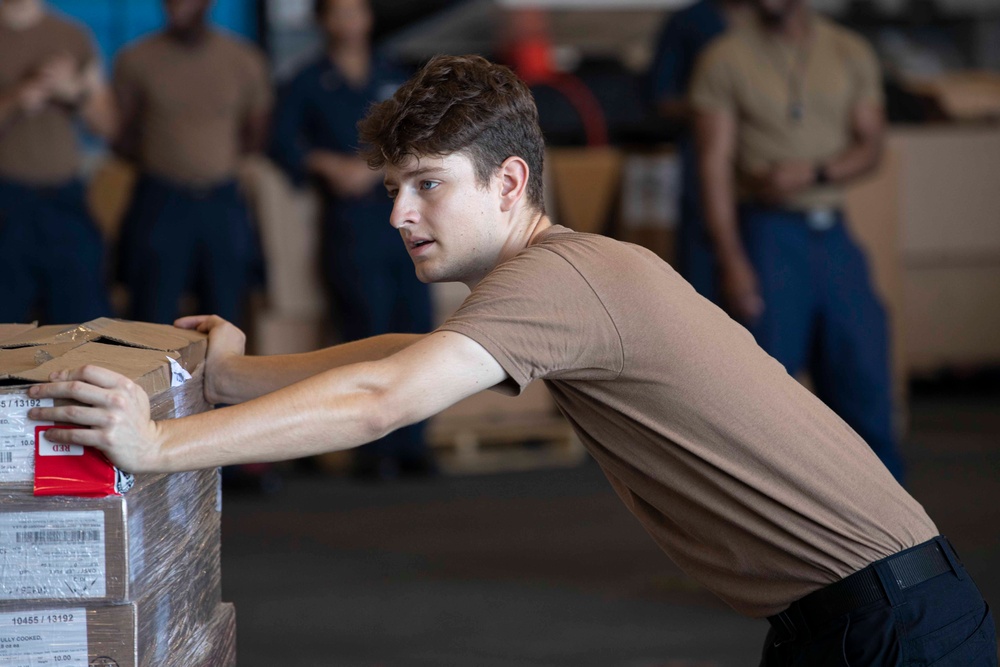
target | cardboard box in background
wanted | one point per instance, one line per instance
(950, 243)
(651, 182)
(583, 186)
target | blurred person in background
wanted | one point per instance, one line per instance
(193, 100)
(683, 37)
(50, 249)
(368, 273)
(788, 111)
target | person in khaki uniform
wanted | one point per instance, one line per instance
(193, 100)
(50, 248)
(789, 110)
(747, 481)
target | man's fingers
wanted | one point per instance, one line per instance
(72, 414)
(101, 377)
(191, 321)
(77, 436)
(77, 390)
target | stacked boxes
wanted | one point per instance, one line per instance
(126, 581)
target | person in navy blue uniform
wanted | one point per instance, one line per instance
(683, 37)
(367, 271)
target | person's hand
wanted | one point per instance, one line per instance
(783, 181)
(225, 343)
(61, 77)
(346, 175)
(32, 96)
(741, 291)
(116, 410)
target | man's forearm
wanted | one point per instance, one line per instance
(245, 378)
(859, 159)
(326, 413)
(719, 203)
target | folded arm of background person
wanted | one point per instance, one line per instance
(58, 81)
(716, 134)
(336, 409)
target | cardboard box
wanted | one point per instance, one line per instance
(162, 536)
(289, 223)
(138, 634)
(586, 183)
(163, 360)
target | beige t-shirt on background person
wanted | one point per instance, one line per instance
(748, 72)
(41, 148)
(193, 102)
(746, 480)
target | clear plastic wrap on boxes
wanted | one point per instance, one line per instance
(137, 634)
(132, 580)
(160, 537)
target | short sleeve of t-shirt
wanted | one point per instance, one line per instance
(539, 317)
(712, 86)
(258, 96)
(865, 70)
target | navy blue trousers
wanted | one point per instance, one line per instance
(374, 290)
(52, 255)
(943, 622)
(178, 240)
(821, 314)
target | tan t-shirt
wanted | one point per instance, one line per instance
(193, 102)
(41, 148)
(745, 479)
(749, 73)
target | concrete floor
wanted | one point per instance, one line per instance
(537, 569)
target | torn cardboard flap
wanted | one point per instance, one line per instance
(11, 330)
(50, 334)
(23, 359)
(190, 346)
(147, 368)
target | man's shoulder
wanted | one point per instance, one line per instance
(60, 25)
(143, 49)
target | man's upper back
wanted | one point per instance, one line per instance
(743, 477)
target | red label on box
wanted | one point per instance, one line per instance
(72, 470)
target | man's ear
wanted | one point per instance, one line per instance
(513, 175)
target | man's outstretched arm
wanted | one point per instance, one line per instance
(337, 409)
(231, 377)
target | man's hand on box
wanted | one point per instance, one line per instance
(115, 409)
(225, 343)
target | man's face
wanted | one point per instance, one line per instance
(451, 225)
(185, 15)
(347, 20)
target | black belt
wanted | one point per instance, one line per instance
(909, 568)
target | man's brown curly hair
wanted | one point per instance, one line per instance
(459, 104)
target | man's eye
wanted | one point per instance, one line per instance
(428, 185)
(391, 194)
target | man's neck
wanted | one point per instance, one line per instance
(353, 60)
(21, 15)
(190, 36)
(795, 26)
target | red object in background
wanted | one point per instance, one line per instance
(73, 470)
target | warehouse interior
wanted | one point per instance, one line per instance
(508, 545)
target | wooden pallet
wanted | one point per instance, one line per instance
(510, 443)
